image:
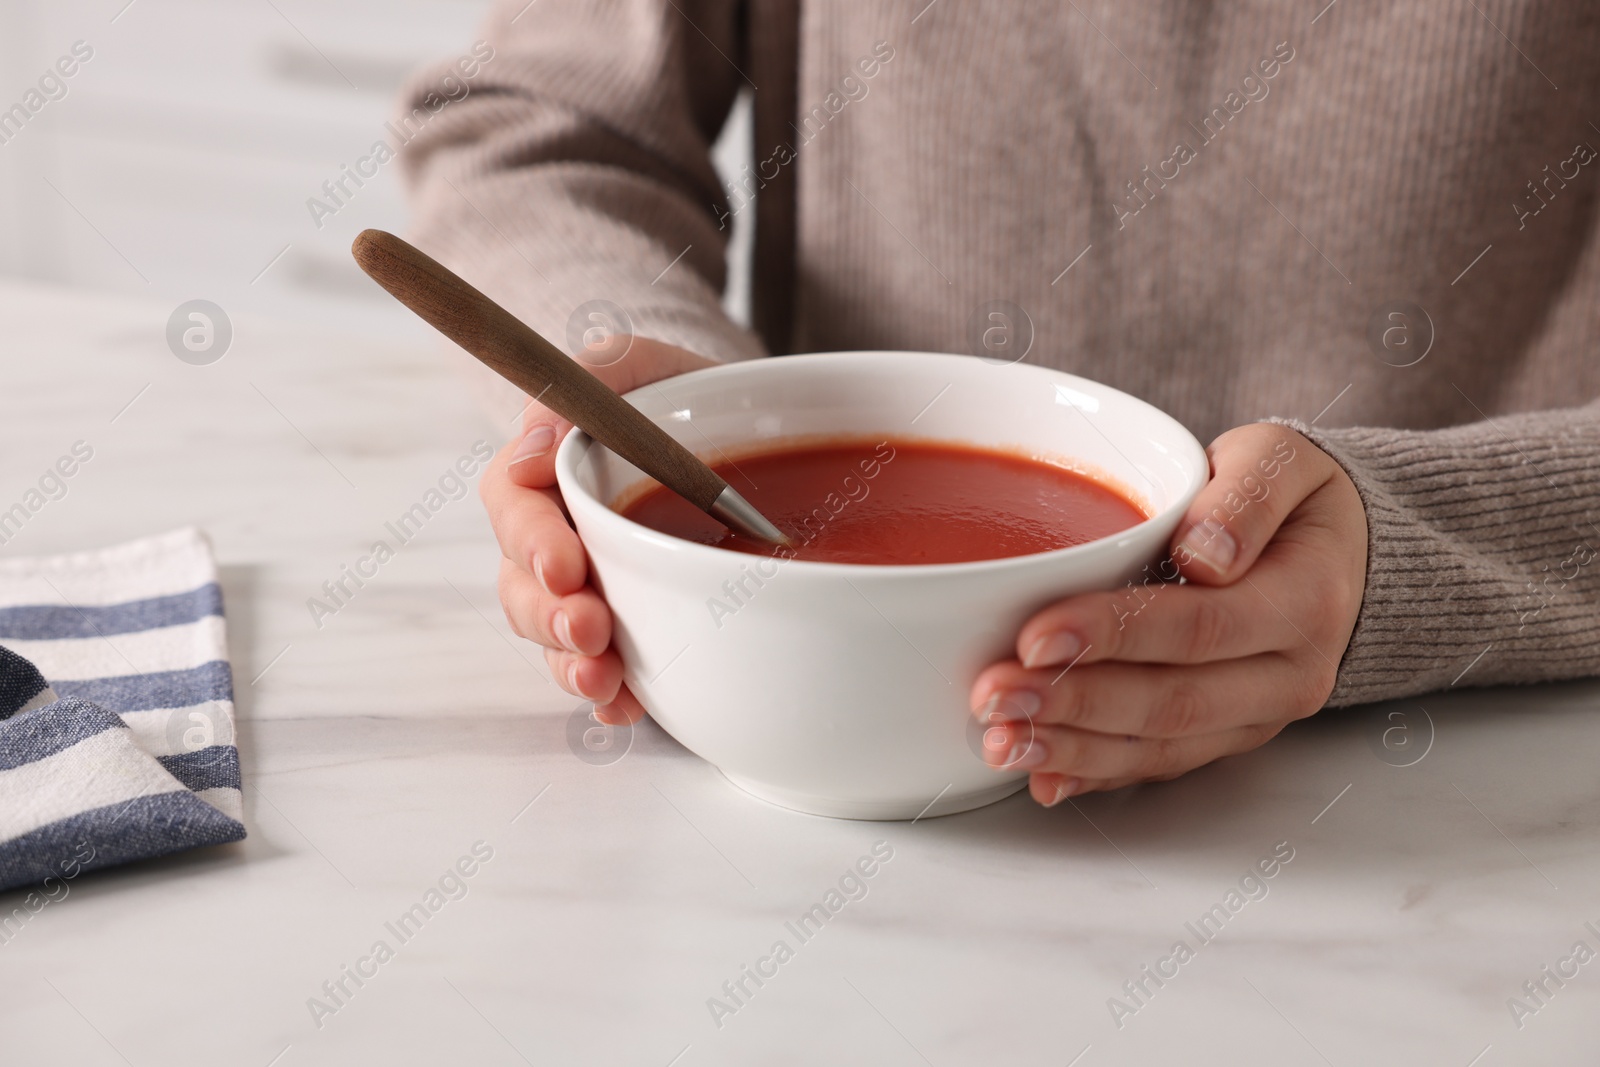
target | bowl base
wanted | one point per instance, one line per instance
(878, 810)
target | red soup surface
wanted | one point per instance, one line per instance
(900, 502)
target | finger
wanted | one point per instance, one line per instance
(1147, 700)
(533, 531)
(1260, 473)
(623, 363)
(1050, 789)
(1086, 756)
(530, 459)
(579, 623)
(625, 709)
(1161, 622)
(596, 678)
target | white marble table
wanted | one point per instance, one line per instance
(620, 897)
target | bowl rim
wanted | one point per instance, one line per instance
(575, 447)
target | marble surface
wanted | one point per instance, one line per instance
(624, 890)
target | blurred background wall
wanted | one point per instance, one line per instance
(179, 160)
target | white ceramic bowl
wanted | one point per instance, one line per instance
(840, 689)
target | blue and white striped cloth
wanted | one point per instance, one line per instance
(116, 708)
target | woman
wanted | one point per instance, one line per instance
(1372, 228)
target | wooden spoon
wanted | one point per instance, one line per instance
(525, 359)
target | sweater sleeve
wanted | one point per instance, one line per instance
(577, 165)
(1483, 563)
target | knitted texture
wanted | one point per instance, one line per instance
(1221, 208)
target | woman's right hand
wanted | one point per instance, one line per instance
(544, 574)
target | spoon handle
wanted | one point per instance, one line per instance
(512, 349)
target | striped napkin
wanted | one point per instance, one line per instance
(116, 708)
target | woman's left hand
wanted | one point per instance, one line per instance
(1146, 682)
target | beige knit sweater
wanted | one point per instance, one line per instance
(1216, 206)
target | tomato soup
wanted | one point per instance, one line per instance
(900, 502)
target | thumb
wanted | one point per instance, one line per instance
(623, 363)
(1259, 474)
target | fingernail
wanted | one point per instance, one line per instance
(1212, 544)
(1064, 790)
(536, 442)
(1025, 755)
(1008, 704)
(561, 626)
(538, 572)
(1014, 704)
(1052, 650)
(572, 678)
